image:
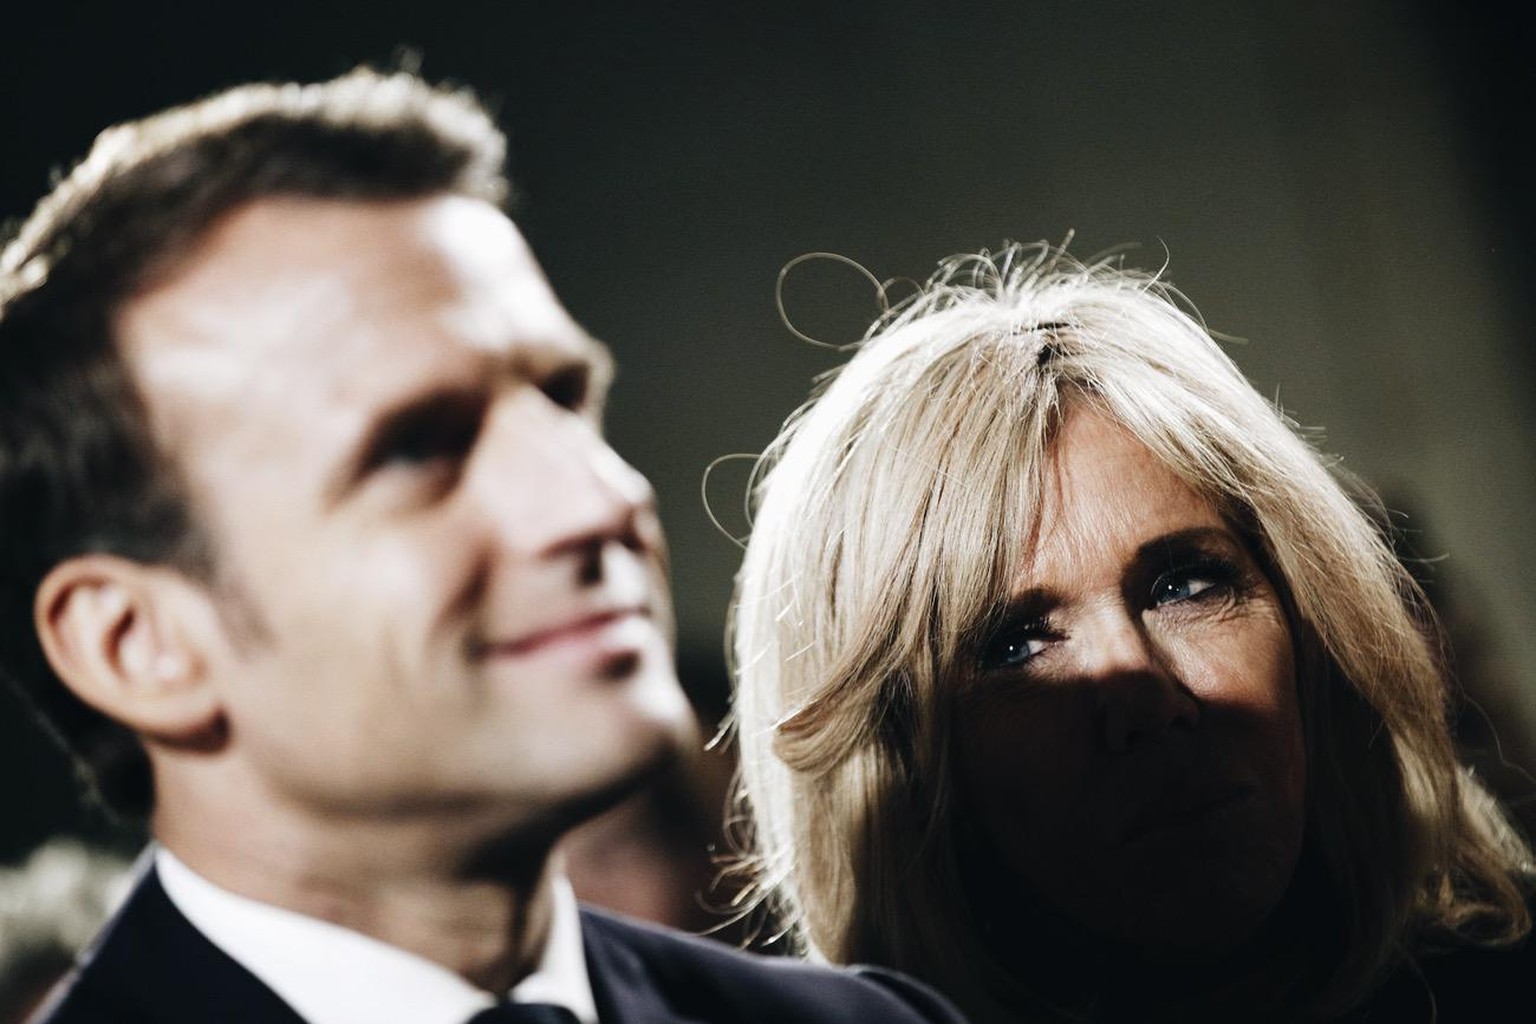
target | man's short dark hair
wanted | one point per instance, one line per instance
(79, 470)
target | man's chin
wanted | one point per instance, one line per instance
(521, 843)
(657, 744)
(662, 735)
(668, 752)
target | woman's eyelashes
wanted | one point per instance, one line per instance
(1201, 579)
(1202, 583)
(1016, 642)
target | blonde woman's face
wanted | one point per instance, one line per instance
(1130, 746)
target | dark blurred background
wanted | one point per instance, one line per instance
(1344, 188)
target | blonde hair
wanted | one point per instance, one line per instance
(890, 514)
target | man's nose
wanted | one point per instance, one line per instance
(553, 485)
(1137, 693)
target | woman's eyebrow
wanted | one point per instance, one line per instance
(1030, 603)
(1194, 536)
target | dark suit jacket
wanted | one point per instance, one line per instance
(151, 966)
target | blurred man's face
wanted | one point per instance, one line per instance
(440, 588)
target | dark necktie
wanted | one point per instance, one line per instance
(524, 1013)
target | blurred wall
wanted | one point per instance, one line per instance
(1325, 181)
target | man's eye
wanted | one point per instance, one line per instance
(1016, 645)
(567, 388)
(430, 442)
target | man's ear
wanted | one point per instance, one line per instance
(120, 635)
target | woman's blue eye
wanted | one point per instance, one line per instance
(1190, 583)
(1013, 647)
(1181, 588)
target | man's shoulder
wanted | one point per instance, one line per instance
(149, 965)
(699, 978)
(78, 999)
(98, 987)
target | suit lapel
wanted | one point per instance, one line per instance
(622, 987)
(152, 960)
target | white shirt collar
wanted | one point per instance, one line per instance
(333, 975)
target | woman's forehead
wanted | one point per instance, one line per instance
(1103, 496)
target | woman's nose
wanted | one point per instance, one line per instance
(1137, 693)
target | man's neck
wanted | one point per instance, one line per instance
(482, 910)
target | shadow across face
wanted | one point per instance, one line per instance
(1128, 740)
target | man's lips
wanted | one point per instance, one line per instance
(600, 628)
